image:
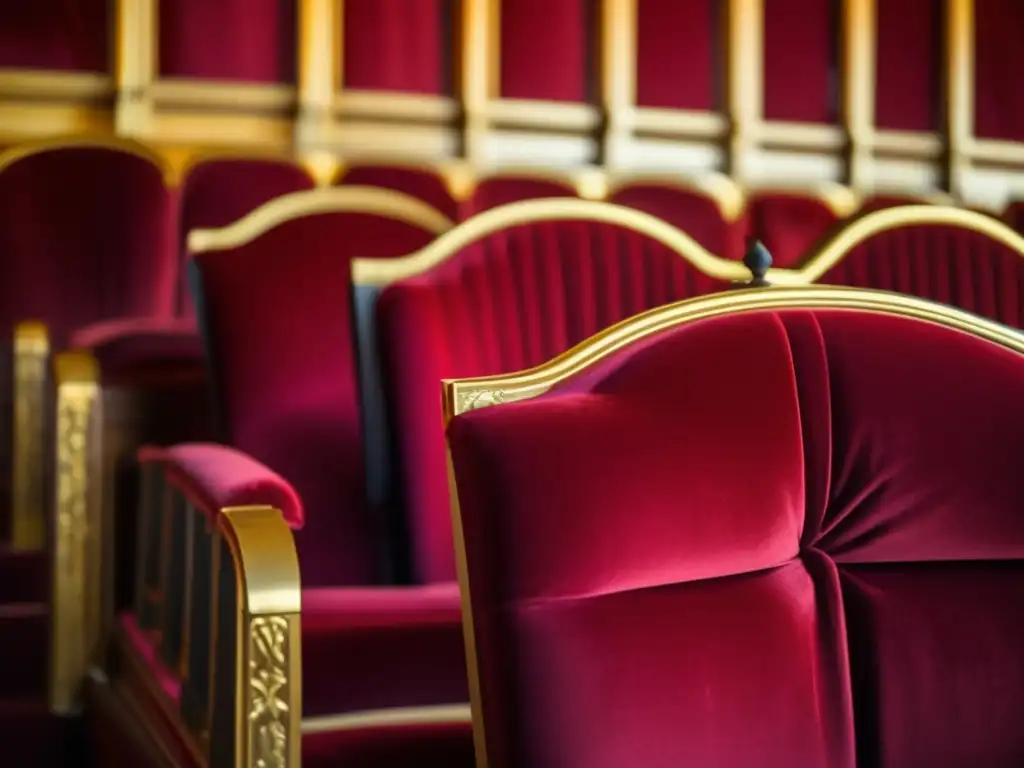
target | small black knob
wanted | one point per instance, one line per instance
(757, 259)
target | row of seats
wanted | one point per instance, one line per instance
(507, 289)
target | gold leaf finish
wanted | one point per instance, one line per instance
(268, 691)
(31, 354)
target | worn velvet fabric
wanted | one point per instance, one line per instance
(278, 322)
(512, 300)
(953, 265)
(791, 538)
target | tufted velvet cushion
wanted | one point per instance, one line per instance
(515, 299)
(807, 547)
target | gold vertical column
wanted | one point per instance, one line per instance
(480, 71)
(28, 509)
(960, 91)
(618, 77)
(135, 65)
(745, 82)
(859, 35)
(319, 69)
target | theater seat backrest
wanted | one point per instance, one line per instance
(273, 297)
(786, 533)
(952, 255)
(511, 296)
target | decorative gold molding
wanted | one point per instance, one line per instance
(28, 503)
(391, 717)
(135, 63)
(269, 669)
(479, 76)
(618, 76)
(319, 67)
(354, 199)
(36, 84)
(548, 115)
(381, 272)
(831, 252)
(680, 123)
(959, 90)
(532, 382)
(859, 25)
(745, 80)
(73, 625)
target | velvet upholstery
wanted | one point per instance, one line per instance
(679, 52)
(221, 190)
(444, 745)
(511, 300)
(290, 399)
(692, 211)
(57, 35)
(800, 61)
(248, 41)
(423, 183)
(999, 97)
(493, 191)
(908, 60)
(393, 45)
(547, 50)
(808, 549)
(788, 223)
(949, 264)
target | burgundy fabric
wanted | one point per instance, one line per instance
(278, 322)
(57, 34)
(500, 190)
(394, 45)
(422, 183)
(242, 40)
(948, 264)
(140, 349)
(213, 477)
(788, 224)
(383, 646)
(142, 643)
(443, 745)
(71, 257)
(808, 549)
(1013, 215)
(514, 299)
(691, 211)
(546, 50)
(678, 54)
(800, 71)
(220, 191)
(908, 59)
(998, 95)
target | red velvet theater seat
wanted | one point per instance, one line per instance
(428, 184)
(507, 289)
(953, 255)
(709, 208)
(273, 294)
(219, 190)
(789, 222)
(503, 188)
(766, 528)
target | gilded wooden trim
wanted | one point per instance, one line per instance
(727, 196)
(269, 666)
(831, 252)
(960, 90)
(479, 77)
(28, 503)
(319, 69)
(745, 80)
(71, 642)
(384, 271)
(389, 717)
(859, 25)
(25, 149)
(54, 86)
(135, 64)
(295, 205)
(618, 76)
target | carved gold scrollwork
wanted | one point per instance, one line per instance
(71, 651)
(268, 692)
(469, 401)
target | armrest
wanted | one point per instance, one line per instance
(385, 647)
(130, 349)
(213, 477)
